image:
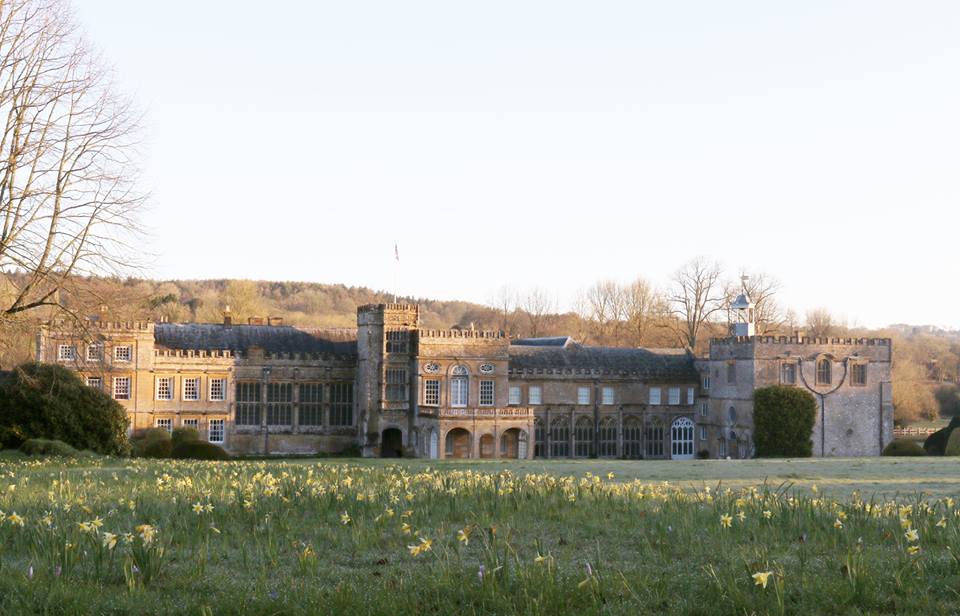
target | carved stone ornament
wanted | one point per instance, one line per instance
(431, 367)
(487, 368)
(459, 371)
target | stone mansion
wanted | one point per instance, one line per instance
(391, 388)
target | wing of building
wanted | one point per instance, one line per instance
(392, 388)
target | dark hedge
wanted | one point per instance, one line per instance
(783, 419)
(47, 401)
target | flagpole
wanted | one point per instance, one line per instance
(396, 271)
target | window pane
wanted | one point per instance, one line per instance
(486, 393)
(341, 404)
(310, 412)
(431, 392)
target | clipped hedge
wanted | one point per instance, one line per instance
(903, 447)
(183, 435)
(936, 443)
(199, 450)
(152, 443)
(48, 447)
(953, 444)
(783, 419)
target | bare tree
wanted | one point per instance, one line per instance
(601, 303)
(537, 304)
(505, 303)
(695, 296)
(68, 195)
(820, 323)
(643, 307)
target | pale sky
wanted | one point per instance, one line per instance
(552, 143)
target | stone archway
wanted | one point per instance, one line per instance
(457, 443)
(513, 444)
(391, 443)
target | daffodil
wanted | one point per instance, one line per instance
(726, 521)
(463, 535)
(344, 518)
(197, 508)
(767, 514)
(109, 540)
(760, 578)
(913, 549)
(15, 519)
(942, 523)
(912, 535)
(838, 524)
(146, 532)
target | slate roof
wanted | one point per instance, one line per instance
(555, 341)
(648, 363)
(239, 338)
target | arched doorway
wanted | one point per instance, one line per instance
(457, 443)
(434, 444)
(391, 443)
(487, 446)
(513, 444)
(681, 439)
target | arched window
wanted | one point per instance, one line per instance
(632, 437)
(681, 439)
(824, 369)
(722, 448)
(654, 439)
(539, 438)
(583, 437)
(459, 387)
(732, 414)
(608, 437)
(743, 447)
(560, 437)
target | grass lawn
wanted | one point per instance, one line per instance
(109, 536)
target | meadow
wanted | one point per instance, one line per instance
(109, 536)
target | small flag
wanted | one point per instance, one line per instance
(396, 252)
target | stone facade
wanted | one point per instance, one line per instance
(850, 378)
(392, 388)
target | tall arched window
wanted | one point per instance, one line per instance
(654, 439)
(824, 369)
(632, 437)
(459, 387)
(722, 448)
(583, 437)
(681, 438)
(560, 437)
(608, 437)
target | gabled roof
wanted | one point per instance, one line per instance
(648, 363)
(240, 338)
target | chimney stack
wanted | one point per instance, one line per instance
(227, 315)
(274, 321)
(800, 335)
